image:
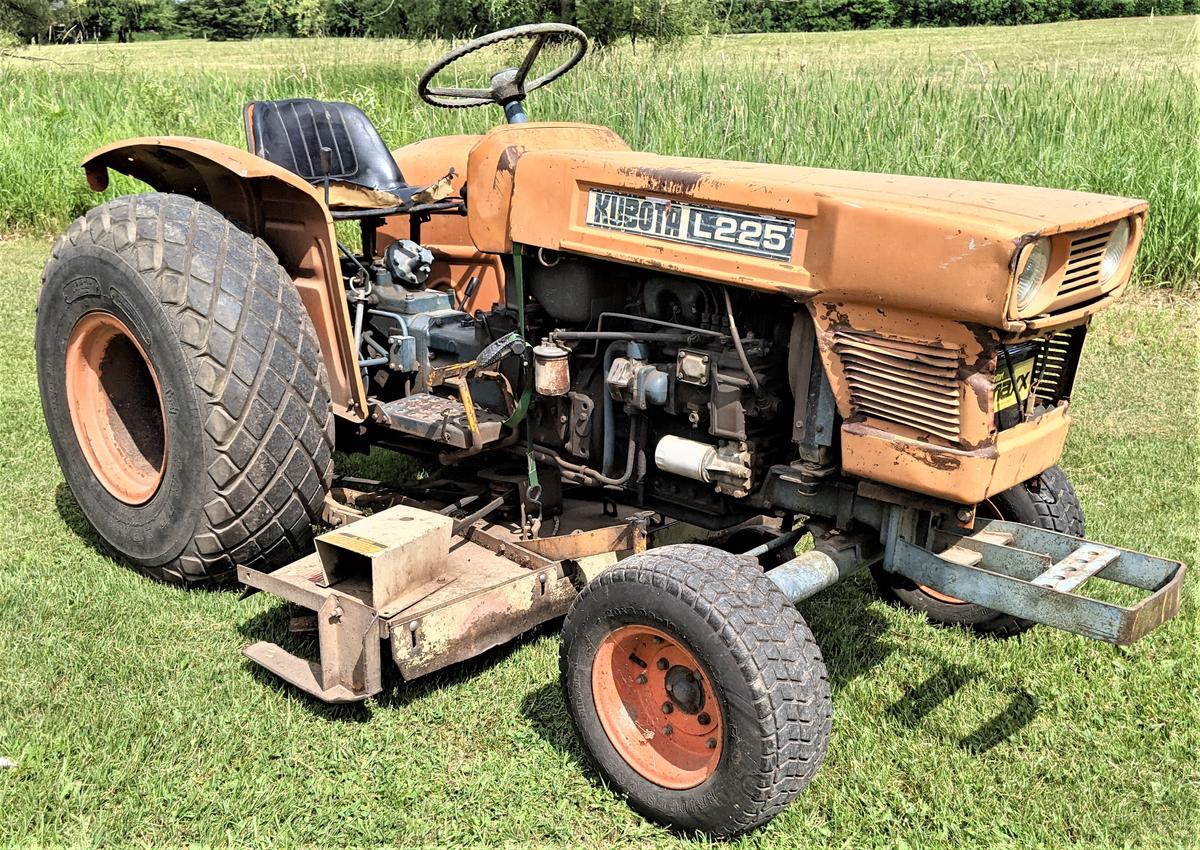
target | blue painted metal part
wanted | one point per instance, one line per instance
(514, 112)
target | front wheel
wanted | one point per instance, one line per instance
(1047, 501)
(696, 687)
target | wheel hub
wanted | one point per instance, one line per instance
(116, 407)
(657, 706)
(685, 689)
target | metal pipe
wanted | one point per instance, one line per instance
(660, 322)
(379, 349)
(639, 336)
(400, 320)
(776, 543)
(358, 323)
(835, 556)
(471, 519)
(591, 475)
(610, 416)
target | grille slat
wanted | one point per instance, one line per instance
(1053, 367)
(916, 389)
(1084, 259)
(908, 383)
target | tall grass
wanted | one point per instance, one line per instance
(861, 101)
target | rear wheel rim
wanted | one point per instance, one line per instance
(116, 407)
(989, 511)
(656, 704)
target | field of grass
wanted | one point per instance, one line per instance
(133, 719)
(1108, 106)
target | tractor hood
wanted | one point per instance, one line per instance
(931, 246)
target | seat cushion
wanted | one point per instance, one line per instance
(291, 133)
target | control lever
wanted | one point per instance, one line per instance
(509, 344)
(325, 163)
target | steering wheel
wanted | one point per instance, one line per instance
(508, 85)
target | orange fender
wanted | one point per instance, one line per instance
(272, 203)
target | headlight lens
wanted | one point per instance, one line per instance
(1114, 251)
(1034, 273)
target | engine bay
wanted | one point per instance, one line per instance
(664, 390)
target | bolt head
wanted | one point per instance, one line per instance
(711, 743)
(668, 729)
(662, 664)
(641, 679)
(704, 719)
(667, 708)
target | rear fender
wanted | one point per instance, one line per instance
(273, 204)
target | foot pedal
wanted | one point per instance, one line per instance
(443, 420)
(1032, 573)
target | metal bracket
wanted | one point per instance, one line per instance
(1034, 573)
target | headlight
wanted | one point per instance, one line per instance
(1114, 251)
(1034, 273)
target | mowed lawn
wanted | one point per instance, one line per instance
(132, 717)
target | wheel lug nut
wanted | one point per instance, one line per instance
(662, 664)
(667, 730)
(704, 719)
(712, 743)
(641, 679)
(668, 708)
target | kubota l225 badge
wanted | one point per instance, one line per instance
(711, 227)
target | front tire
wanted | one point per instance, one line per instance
(183, 389)
(696, 687)
(1047, 501)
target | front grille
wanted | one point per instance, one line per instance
(1055, 360)
(1083, 260)
(1054, 368)
(907, 383)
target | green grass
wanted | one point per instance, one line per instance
(133, 719)
(1107, 106)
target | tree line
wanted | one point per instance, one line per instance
(606, 21)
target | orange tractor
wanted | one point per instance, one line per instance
(637, 381)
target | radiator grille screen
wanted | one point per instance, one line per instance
(908, 383)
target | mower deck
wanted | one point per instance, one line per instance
(440, 597)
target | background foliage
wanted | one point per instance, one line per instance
(605, 20)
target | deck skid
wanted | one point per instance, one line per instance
(1035, 574)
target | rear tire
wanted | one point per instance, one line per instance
(1047, 501)
(184, 390)
(746, 685)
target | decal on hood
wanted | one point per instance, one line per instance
(710, 227)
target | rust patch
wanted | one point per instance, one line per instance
(931, 457)
(509, 158)
(834, 317)
(676, 181)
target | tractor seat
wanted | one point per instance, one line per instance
(362, 173)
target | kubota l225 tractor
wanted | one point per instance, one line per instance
(637, 382)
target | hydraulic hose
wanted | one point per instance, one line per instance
(737, 342)
(610, 416)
